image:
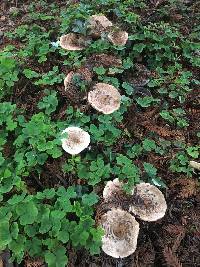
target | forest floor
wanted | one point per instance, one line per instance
(168, 123)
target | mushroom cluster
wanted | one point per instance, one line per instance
(121, 229)
(103, 97)
(97, 26)
(146, 202)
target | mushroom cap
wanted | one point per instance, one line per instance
(68, 79)
(98, 24)
(138, 77)
(73, 42)
(112, 188)
(83, 73)
(120, 233)
(76, 140)
(148, 202)
(118, 37)
(104, 60)
(195, 165)
(104, 98)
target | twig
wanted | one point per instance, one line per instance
(38, 181)
(170, 258)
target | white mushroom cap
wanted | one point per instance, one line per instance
(118, 37)
(120, 233)
(195, 165)
(73, 42)
(104, 98)
(148, 202)
(76, 140)
(98, 24)
(112, 188)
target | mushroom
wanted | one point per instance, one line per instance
(195, 165)
(120, 233)
(76, 83)
(73, 42)
(75, 141)
(118, 37)
(83, 75)
(104, 60)
(138, 77)
(112, 188)
(148, 202)
(98, 24)
(104, 98)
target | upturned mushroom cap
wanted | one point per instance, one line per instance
(76, 140)
(98, 24)
(118, 37)
(104, 98)
(112, 188)
(120, 233)
(148, 202)
(73, 42)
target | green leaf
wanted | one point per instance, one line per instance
(157, 181)
(90, 199)
(34, 246)
(50, 259)
(193, 151)
(5, 236)
(150, 169)
(31, 230)
(56, 259)
(14, 229)
(99, 70)
(46, 224)
(16, 199)
(149, 144)
(63, 236)
(128, 88)
(30, 73)
(146, 101)
(49, 193)
(28, 213)
(17, 247)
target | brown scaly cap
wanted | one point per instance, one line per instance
(98, 24)
(72, 89)
(103, 60)
(120, 233)
(73, 42)
(148, 202)
(104, 98)
(84, 74)
(118, 37)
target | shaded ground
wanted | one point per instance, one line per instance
(173, 241)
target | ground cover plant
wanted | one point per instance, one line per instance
(51, 201)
